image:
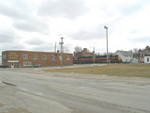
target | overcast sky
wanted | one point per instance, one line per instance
(38, 24)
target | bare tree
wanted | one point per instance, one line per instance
(77, 49)
(135, 53)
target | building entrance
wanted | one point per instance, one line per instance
(13, 64)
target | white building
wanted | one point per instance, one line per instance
(126, 56)
(147, 58)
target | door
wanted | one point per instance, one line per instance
(12, 65)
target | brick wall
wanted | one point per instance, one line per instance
(28, 58)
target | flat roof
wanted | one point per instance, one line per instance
(32, 51)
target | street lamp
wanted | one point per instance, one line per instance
(93, 54)
(61, 44)
(105, 27)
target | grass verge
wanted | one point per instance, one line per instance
(137, 70)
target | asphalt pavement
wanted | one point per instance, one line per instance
(34, 91)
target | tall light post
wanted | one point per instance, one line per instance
(105, 27)
(93, 55)
(61, 44)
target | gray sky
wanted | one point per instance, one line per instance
(38, 24)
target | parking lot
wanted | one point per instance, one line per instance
(34, 91)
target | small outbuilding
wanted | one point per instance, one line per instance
(126, 56)
(144, 56)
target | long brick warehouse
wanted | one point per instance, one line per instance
(23, 59)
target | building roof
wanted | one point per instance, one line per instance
(129, 53)
(145, 51)
(31, 51)
(147, 54)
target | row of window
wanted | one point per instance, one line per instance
(27, 64)
(44, 57)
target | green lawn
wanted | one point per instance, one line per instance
(138, 70)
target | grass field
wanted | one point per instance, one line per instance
(138, 70)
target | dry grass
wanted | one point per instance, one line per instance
(138, 70)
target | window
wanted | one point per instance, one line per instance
(147, 59)
(29, 64)
(17, 64)
(60, 57)
(68, 57)
(3, 56)
(24, 63)
(44, 57)
(35, 57)
(53, 57)
(25, 56)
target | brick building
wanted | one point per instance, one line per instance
(19, 59)
(84, 52)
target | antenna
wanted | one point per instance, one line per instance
(61, 44)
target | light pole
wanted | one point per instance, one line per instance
(93, 55)
(61, 44)
(105, 27)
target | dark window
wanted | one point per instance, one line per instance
(147, 59)
(35, 57)
(53, 57)
(60, 57)
(68, 57)
(25, 63)
(44, 57)
(25, 56)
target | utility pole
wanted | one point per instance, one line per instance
(55, 48)
(93, 55)
(61, 45)
(105, 27)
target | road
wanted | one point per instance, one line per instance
(34, 91)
